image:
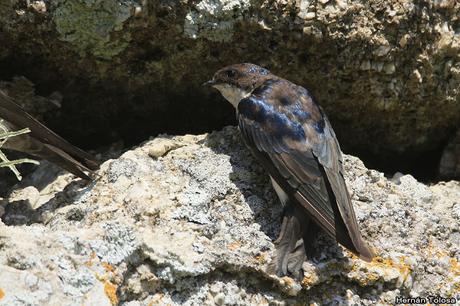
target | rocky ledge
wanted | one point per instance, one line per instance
(386, 70)
(190, 220)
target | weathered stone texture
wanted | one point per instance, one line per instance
(190, 220)
(383, 70)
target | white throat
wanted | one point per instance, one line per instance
(233, 94)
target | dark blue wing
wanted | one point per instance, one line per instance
(293, 139)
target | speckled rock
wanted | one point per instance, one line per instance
(386, 70)
(193, 223)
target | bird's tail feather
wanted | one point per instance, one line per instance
(65, 161)
(294, 243)
(43, 142)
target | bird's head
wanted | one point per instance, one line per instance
(236, 82)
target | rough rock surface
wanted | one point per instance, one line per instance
(387, 70)
(190, 220)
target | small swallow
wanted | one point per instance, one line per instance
(289, 134)
(42, 142)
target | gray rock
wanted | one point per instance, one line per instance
(195, 225)
(386, 70)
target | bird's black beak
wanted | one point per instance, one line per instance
(209, 83)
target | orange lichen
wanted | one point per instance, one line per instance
(384, 264)
(401, 266)
(456, 288)
(309, 280)
(371, 278)
(108, 267)
(2, 294)
(111, 292)
(288, 281)
(429, 250)
(90, 262)
(156, 300)
(234, 245)
(261, 258)
(441, 253)
(454, 267)
(350, 254)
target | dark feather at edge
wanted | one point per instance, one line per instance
(55, 148)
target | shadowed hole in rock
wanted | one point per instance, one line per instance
(94, 116)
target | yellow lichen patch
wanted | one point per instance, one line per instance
(90, 262)
(234, 245)
(384, 265)
(454, 271)
(108, 267)
(350, 254)
(288, 281)
(309, 280)
(2, 294)
(261, 258)
(429, 250)
(401, 266)
(156, 300)
(101, 278)
(441, 253)
(454, 267)
(371, 278)
(111, 292)
(456, 289)
(377, 260)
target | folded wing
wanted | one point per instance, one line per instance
(301, 152)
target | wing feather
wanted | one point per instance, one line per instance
(43, 142)
(308, 166)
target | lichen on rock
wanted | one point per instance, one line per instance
(214, 19)
(381, 70)
(195, 224)
(88, 25)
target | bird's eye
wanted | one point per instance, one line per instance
(230, 73)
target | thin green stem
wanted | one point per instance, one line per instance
(4, 161)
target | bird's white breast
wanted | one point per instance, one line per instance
(233, 94)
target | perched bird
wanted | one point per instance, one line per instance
(289, 134)
(41, 141)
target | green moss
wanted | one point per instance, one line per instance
(88, 26)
